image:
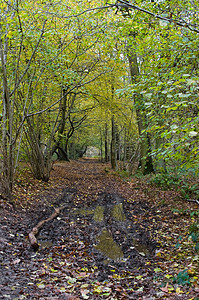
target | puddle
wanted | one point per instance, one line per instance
(105, 242)
(99, 214)
(46, 244)
(84, 212)
(108, 246)
(142, 249)
(118, 212)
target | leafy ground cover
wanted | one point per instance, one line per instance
(116, 238)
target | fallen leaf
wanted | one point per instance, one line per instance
(165, 289)
(179, 291)
(16, 261)
(157, 270)
(41, 285)
(84, 293)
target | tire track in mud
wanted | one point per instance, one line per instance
(95, 232)
(97, 215)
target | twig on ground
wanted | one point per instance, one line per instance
(35, 230)
(193, 200)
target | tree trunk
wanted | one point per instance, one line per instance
(40, 165)
(125, 150)
(101, 146)
(113, 146)
(106, 142)
(7, 128)
(63, 153)
(160, 164)
(145, 147)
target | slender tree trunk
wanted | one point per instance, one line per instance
(101, 146)
(113, 146)
(160, 164)
(145, 158)
(146, 163)
(106, 143)
(124, 151)
(117, 136)
(7, 127)
(40, 164)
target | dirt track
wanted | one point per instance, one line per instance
(105, 236)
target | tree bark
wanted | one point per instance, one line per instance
(106, 142)
(145, 158)
(113, 146)
(40, 165)
(7, 142)
(63, 153)
(160, 164)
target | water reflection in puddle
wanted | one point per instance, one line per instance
(108, 246)
(99, 214)
(118, 212)
(46, 244)
(84, 212)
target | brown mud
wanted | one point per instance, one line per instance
(103, 244)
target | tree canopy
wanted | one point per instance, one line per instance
(69, 67)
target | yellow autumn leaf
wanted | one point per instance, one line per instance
(170, 289)
(168, 276)
(191, 271)
(139, 277)
(179, 291)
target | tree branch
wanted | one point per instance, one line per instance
(170, 20)
(35, 230)
(30, 60)
(83, 12)
(69, 91)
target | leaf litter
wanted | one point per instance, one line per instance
(115, 239)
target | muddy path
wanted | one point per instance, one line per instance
(103, 245)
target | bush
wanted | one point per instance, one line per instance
(166, 180)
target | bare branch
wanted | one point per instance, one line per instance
(30, 60)
(83, 12)
(183, 23)
(68, 92)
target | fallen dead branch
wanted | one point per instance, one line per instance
(35, 230)
(193, 200)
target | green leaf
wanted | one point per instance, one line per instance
(157, 270)
(53, 270)
(191, 81)
(148, 95)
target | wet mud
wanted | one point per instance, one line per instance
(109, 235)
(97, 229)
